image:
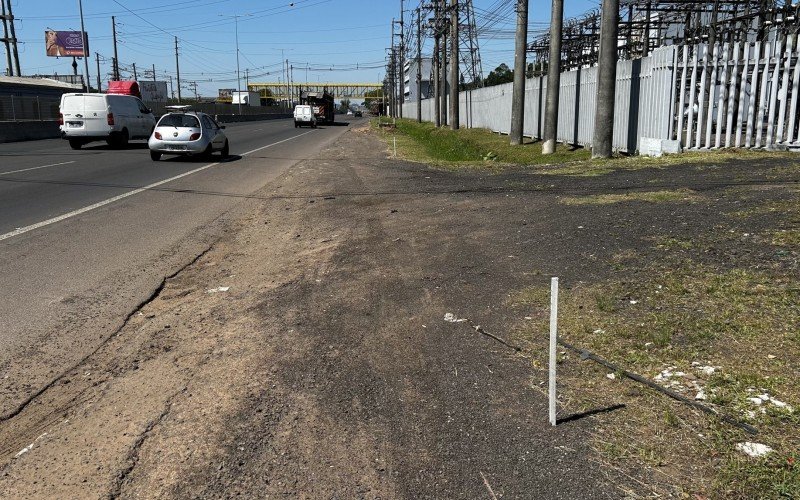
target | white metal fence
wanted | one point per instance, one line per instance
(739, 95)
(743, 95)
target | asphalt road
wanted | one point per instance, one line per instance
(85, 236)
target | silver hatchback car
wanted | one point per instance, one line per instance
(187, 133)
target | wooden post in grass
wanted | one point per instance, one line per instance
(551, 391)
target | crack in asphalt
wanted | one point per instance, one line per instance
(133, 453)
(151, 297)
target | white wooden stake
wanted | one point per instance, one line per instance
(553, 338)
(394, 139)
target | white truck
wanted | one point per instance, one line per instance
(246, 97)
(304, 115)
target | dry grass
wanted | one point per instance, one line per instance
(677, 314)
(647, 196)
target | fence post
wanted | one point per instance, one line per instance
(38, 108)
(551, 390)
(13, 111)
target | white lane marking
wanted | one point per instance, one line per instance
(274, 143)
(35, 168)
(122, 196)
(99, 204)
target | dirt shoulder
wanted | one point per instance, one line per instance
(306, 354)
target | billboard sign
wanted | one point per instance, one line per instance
(225, 95)
(65, 43)
(153, 91)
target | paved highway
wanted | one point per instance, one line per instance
(85, 236)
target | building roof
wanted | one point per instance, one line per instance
(38, 82)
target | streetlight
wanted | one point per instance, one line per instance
(238, 78)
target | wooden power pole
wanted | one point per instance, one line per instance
(454, 74)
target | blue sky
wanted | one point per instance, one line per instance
(324, 40)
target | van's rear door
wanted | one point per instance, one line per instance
(84, 112)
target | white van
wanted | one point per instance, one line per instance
(95, 117)
(304, 115)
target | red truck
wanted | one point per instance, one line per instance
(322, 103)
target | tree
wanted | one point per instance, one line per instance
(501, 74)
(344, 106)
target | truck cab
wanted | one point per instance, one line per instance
(304, 115)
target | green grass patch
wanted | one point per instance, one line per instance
(444, 147)
(481, 148)
(650, 196)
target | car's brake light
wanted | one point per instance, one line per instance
(194, 136)
(110, 118)
(158, 136)
(60, 119)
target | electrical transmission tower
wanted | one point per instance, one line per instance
(647, 24)
(469, 50)
(437, 24)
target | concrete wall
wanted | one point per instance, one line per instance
(34, 130)
(28, 131)
(251, 118)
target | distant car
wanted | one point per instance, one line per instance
(349, 112)
(184, 132)
(304, 115)
(84, 118)
(357, 114)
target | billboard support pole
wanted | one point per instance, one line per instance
(85, 48)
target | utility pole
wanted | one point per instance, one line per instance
(454, 73)
(392, 84)
(436, 62)
(97, 59)
(518, 93)
(171, 88)
(115, 69)
(402, 65)
(238, 72)
(606, 80)
(178, 70)
(6, 39)
(247, 78)
(419, 65)
(135, 76)
(553, 78)
(443, 63)
(288, 87)
(85, 40)
(154, 73)
(13, 40)
(390, 111)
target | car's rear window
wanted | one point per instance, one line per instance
(179, 120)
